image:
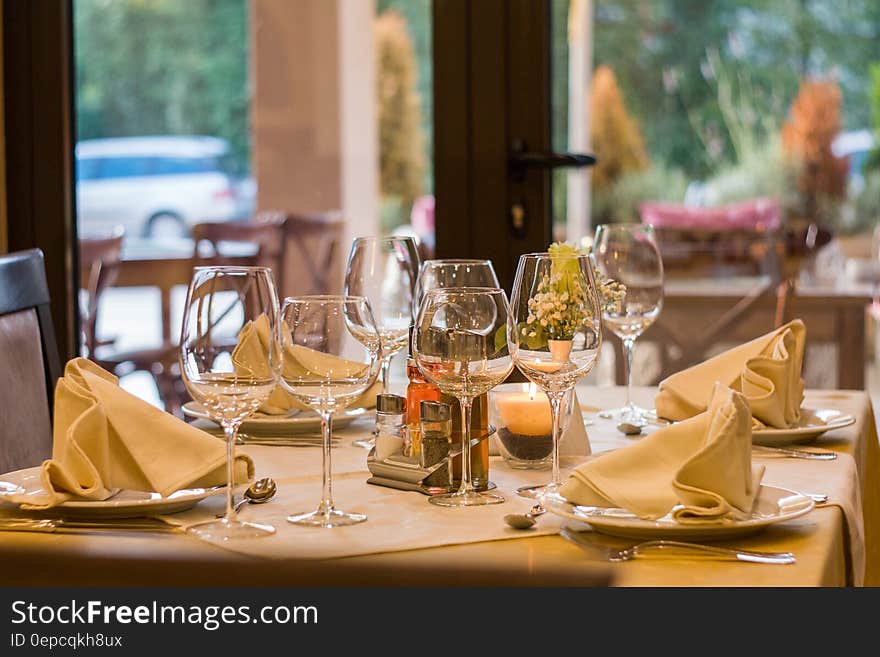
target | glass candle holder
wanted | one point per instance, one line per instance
(521, 414)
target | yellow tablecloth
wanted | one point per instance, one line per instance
(821, 540)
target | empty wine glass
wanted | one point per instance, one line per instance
(556, 332)
(331, 350)
(453, 272)
(220, 304)
(459, 345)
(384, 270)
(628, 254)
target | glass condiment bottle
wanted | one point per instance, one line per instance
(418, 390)
(390, 424)
(435, 442)
(479, 428)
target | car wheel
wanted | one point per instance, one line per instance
(165, 224)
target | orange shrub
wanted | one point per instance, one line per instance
(616, 139)
(814, 121)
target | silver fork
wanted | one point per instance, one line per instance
(637, 550)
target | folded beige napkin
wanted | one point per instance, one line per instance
(249, 356)
(766, 370)
(105, 438)
(698, 469)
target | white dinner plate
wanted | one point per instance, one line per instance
(300, 422)
(123, 504)
(772, 505)
(813, 423)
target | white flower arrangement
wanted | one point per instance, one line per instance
(560, 306)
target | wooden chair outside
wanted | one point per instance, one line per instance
(313, 259)
(266, 231)
(30, 366)
(99, 266)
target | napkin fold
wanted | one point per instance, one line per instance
(249, 356)
(699, 469)
(105, 438)
(767, 370)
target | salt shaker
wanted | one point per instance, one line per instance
(390, 413)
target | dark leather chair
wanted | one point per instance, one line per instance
(30, 365)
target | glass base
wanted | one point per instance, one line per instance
(366, 443)
(229, 530)
(536, 492)
(326, 519)
(471, 498)
(632, 414)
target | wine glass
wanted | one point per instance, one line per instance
(459, 346)
(384, 270)
(452, 272)
(220, 303)
(331, 350)
(555, 334)
(628, 253)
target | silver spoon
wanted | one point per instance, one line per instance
(259, 492)
(524, 520)
(629, 429)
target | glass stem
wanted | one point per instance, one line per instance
(230, 430)
(628, 344)
(326, 505)
(555, 408)
(467, 485)
(386, 368)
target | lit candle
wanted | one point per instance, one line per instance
(525, 412)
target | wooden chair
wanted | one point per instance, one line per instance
(266, 231)
(99, 267)
(313, 254)
(30, 366)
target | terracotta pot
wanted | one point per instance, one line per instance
(559, 349)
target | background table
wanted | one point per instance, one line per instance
(698, 315)
(166, 263)
(820, 539)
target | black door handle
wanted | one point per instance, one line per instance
(521, 160)
(550, 160)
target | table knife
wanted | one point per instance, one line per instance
(66, 526)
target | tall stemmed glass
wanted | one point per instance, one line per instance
(556, 333)
(331, 357)
(456, 346)
(220, 304)
(384, 270)
(453, 272)
(628, 253)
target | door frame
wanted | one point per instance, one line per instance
(38, 150)
(491, 90)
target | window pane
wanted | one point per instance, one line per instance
(183, 165)
(123, 167)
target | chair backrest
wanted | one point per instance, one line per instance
(99, 266)
(267, 234)
(314, 252)
(30, 365)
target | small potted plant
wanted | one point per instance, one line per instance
(556, 311)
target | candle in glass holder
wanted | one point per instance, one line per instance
(525, 423)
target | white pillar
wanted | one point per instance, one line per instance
(580, 68)
(359, 119)
(313, 111)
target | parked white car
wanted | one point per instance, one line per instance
(153, 186)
